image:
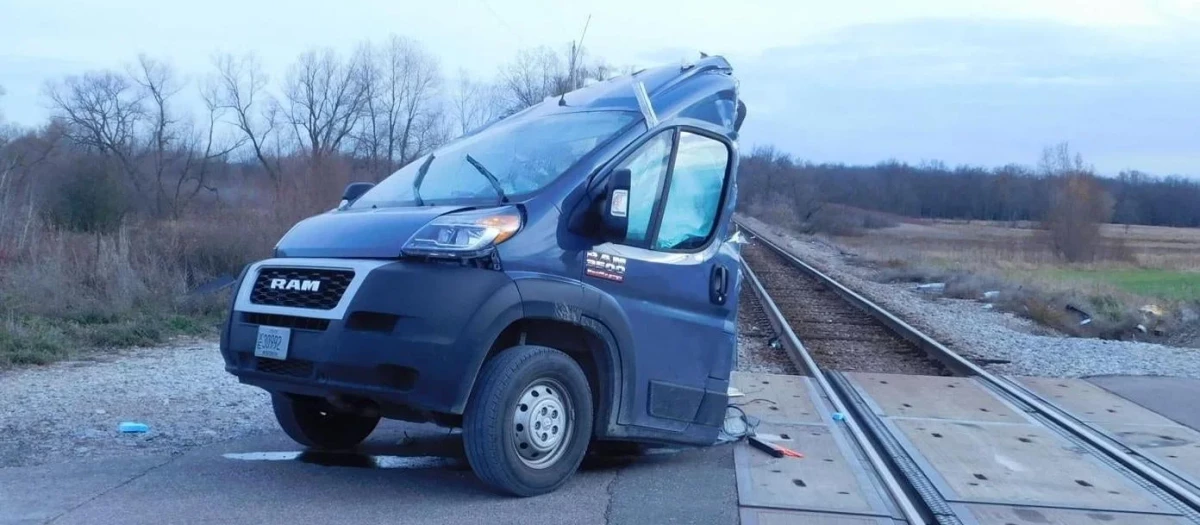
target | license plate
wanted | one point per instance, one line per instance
(272, 342)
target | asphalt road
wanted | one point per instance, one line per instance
(405, 474)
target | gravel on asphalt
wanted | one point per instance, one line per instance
(985, 335)
(71, 410)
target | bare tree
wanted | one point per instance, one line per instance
(239, 88)
(102, 110)
(473, 103)
(326, 98)
(1078, 206)
(540, 72)
(200, 151)
(402, 115)
(159, 84)
(534, 75)
(131, 119)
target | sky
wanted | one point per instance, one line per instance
(979, 82)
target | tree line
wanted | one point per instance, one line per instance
(132, 141)
(1012, 192)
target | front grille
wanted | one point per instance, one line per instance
(286, 321)
(290, 367)
(294, 287)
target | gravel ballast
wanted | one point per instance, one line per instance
(756, 351)
(71, 410)
(984, 335)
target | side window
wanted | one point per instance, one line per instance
(648, 167)
(693, 194)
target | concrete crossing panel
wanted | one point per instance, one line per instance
(956, 398)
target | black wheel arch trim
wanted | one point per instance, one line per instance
(549, 297)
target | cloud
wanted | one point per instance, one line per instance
(979, 92)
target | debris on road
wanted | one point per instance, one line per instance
(130, 427)
(772, 449)
(932, 287)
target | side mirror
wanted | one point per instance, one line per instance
(616, 207)
(354, 190)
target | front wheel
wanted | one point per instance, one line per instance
(309, 423)
(529, 420)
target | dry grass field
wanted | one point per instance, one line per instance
(1138, 267)
(1157, 263)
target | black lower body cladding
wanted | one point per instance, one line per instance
(427, 329)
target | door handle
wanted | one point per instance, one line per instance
(718, 284)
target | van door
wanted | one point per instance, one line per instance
(676, 279)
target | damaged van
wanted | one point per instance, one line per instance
(562, 276)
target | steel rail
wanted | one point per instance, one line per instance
(803, 361)
(962, 366)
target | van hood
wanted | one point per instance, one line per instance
(367, 234)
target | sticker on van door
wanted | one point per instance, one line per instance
(605, 266)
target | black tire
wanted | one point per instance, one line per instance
(491, 427)
(310, 424)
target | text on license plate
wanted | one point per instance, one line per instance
(272, 342)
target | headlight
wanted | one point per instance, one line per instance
(466, 234)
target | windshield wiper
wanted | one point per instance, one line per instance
(421, 177)
(491, 178)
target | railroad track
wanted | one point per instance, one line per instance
(826, 329)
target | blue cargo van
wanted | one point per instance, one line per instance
(562, 276)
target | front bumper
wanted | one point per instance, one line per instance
(404, 333)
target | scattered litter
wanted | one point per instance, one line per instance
(130, 427)
(1141, 328)
(989, 306)
(1152, 309)
(992, 294)
(838, 416)
(773, 449)
(737, 425)
(734, 392)
(101, 411)
(931, 287)
(1085, 318)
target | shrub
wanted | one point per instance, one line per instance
(86, 198)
